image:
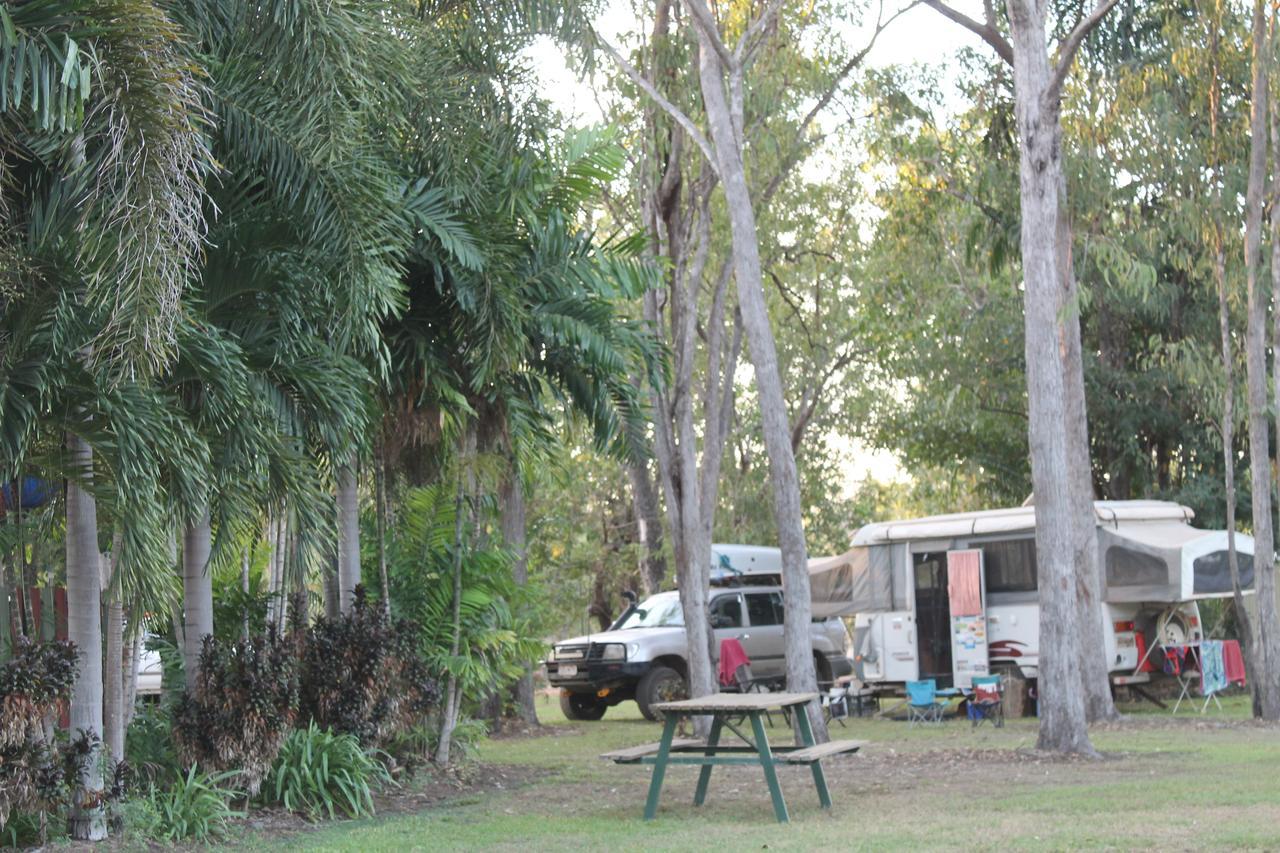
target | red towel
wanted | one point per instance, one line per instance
(732, 656)
(1233, 661)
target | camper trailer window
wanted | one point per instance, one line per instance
(1213, 573)
(1010, 565)
(1127, 567)
(764, 608)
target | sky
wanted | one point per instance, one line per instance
(920, 35)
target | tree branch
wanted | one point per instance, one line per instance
(985, 30)
(705, 21)
(1071, 44)
(669, 108)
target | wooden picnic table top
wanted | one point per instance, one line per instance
(736, 702)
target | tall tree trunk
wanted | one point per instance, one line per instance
(801, 675)
(1094, 672)
(197, 594)
(653, 563)
(87, 821)
(113, 718)
(380, 497)
(244, 589)
(1266, 678)
(1063, 724)
(133, 655)
(513, 538)
(332, 598)
(348, 534)
(278, 602)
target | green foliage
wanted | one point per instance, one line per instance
(360, 674)
(149, 749)
(242, 708)
(196, 806)
(321, 773)
(495, 636)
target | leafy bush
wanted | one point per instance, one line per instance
(34, 774)
(361, 675)
(197, 806)
(319, 772)
(243, 706)
(148, 744)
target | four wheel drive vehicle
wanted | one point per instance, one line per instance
(643, 655)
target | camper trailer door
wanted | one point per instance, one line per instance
(968, 616)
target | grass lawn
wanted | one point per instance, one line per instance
(1166, 783)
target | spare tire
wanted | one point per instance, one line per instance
(660, 684)
(581, 706)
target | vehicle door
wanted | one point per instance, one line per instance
(725, 617)
(763, 638)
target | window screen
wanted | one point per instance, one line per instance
(764, 608)
(1127, 567)
(1213, 572)
(1010, 566)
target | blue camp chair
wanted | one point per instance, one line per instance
(986, 701)
(923, 704)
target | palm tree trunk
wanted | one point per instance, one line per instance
(449, 716)
(348, 534)
(113, 718)
(197, 595)
(244, 588)
(380, 488)
(513, 537)
(84, 628)
(133, 656)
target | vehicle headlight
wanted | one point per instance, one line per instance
(614, 651)
(633, 651)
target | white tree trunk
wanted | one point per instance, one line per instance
(84, 628)
(801, 675)
(197, 594)
(133, 656)
(1266, 677)
(348, 534)
(278, 603)
(113, 718)
(452, 697)
(1063, 724)
(653, 564)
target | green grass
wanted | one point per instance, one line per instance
(1186, 784)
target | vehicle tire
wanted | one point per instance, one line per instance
(581, 706)
(1017, 695)
(660, 684)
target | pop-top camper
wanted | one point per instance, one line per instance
(954, 596)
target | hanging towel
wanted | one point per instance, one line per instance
(1213, 674)
(732, 656)
(1233, 661)
(964, 582)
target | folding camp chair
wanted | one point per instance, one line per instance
(736, 676)
(986, 701)
(923, 704)
(835, 703)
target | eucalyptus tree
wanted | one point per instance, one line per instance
(691, 77)
(1066, 538)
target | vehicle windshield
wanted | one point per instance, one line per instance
(659, 611)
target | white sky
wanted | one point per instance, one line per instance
(921, 36)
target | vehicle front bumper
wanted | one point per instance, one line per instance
(593, 676)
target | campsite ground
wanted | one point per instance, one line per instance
(1167, 783)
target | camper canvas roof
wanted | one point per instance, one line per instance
(1012, 520)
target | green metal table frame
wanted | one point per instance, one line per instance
(714, 755)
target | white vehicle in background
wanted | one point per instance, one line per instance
(150, 672)
(903, 582)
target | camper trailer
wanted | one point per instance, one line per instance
(954, 596)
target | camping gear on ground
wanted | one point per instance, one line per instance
(720, 707)
(923, 704)
(986, 701)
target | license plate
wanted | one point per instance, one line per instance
(568, 670)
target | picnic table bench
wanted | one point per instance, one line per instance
(726, 710)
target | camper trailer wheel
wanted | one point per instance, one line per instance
(581, 706)
(1016, 690)
(660, 684)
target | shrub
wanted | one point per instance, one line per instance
(197, 806)
(148, 745)
(361, 675)
(243, 706)
(319, 772)
(35, 774)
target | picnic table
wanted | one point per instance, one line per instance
(729, 710)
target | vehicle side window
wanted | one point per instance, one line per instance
(1010, 566)
(726, 612)
(764, 608)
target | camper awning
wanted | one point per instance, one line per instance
(857, 581)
